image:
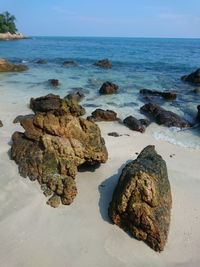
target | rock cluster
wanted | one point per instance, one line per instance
(6, 66)
(55, 143)
(164, 117)
(194, 77)
(142, 199)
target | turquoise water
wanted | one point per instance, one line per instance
(137, 63)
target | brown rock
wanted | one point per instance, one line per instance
(6, 66)
(166, 95)
(53, 102)
(103, 115)
(1, 123)
(76, 96)
(103, 63)
(108, 88)
(142, 200)
(164, 117)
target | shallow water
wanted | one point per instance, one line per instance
(137, 63)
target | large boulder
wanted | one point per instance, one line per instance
(108, 88)
(141, 201)
(167, 95)
(193, 77)
(1, 123)
(53, 102)
(6, 66)
(103, 115)
(164, 117)
(135, 124)
(51, 149)
(104, 63)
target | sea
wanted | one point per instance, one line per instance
(138, 63)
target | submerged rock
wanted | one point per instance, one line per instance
(164, 117)
(103, 115)
(166, 95)
(142, 199)
(52, 148)
(1, 123)
(41, 61)
(104, 63)
(108, 88)
(54, 82)
(69, 63)
(6, 66)
(135, 124)
(53, 102)
(194, 77)
(76, 96)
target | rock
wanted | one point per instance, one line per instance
(194, 77)
(141, 201)
(103, 115)
(69, 63)
(76, 96)
(103, 63)
(19, 118)
(54, 201)
(164, 117)
(41, 61)
(197, 91)
(53, 102)
(6, 66)
(114, 134)
(54, 82)
(108, 88)
(198, 114)
(53, 146)
(1, 123)
(166, 95)
(136, 125)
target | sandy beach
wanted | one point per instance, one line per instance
(34, 234)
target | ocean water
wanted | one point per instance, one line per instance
(137, 63)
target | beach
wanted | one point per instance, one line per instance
(34, 234)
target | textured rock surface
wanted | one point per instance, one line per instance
(103, 63)
(142, 200)
(1, 123)
(52, 147)
(164, 117)
(108, 88)
(103, 115)
(194, 77)
(135, 124)
(53, 102)
(6, 66)
(76, 96)
(166, 95)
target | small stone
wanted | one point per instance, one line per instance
(1, 123)
(54, 201)
(104, 63)
(114, 134)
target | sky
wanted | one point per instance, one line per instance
(109, 18)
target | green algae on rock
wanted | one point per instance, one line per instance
(142, 199)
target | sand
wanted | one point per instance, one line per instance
(81, 235)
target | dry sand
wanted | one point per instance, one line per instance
(81, 235)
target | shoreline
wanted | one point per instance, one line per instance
(9, 37)
(83, 228)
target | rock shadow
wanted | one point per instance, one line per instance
(106, 189)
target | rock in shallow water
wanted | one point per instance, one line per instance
(142, 200)
(135, 124)
(108, 88)
(1, 123)
(103, 63)
(52, 147)
(6, 66)
(194, 77)
(164, 117)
